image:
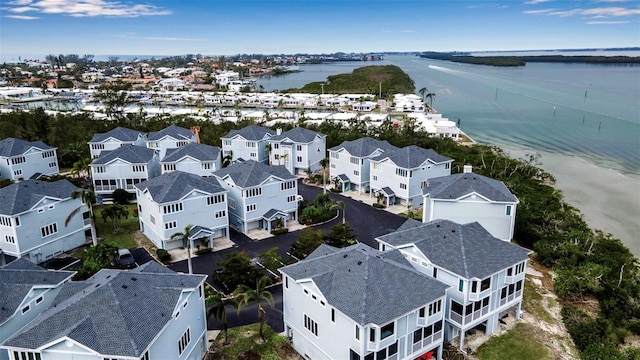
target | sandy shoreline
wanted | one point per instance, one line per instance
(608, 200)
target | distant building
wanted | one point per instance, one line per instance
(20, 159)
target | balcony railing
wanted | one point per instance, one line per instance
(106, 187)
(469, 317)
(481, 295)
(427, 341)
(510, 298)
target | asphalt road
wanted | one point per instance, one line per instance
(367, 221)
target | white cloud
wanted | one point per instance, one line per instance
(407, 31)
(533, 2)
(607, 22)
(593, 13)
(22, 17)
(87, 8)
(160, 38)
(538, 12)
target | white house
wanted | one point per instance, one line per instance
(400, 175)
(33, 218)
(167, 204)
(349, 162)
(20, 159)
(171, 137)
(469, 197)
(360, 303)
(150, 312)
(260, 196)
(27, 291)
(248, 143)
(123, 168)
(298, 149)
(115, 138)
(485, 274)
(194, 158)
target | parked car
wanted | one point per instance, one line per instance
(125, 260)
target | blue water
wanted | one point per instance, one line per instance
(541, 106)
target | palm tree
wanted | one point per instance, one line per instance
(217, 307)
(430, 96)
(324, 163)
(246, 295)
(423, 92)
(226, 160)
(185, 235)
(115, 212)
(81, 167)
(88, 197)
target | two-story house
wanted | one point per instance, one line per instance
(469, 197)
(20, 159)
(298, 149)
(349, 162)
(150, 312)
(400, 175)
(194, 158)
(485, 274)
(115, 138)
(248, 143)
(358, 303)
(167, 204)
(171, 137)
(260, 196)
(27, 291)
(33, 220)
(123, 168)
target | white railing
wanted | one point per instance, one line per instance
(427, 341)
(477, 296)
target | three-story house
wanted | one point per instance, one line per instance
(248, 143)
(194, 158)
(171, 137)
(115, 138)
(298, 149)
(20, 159)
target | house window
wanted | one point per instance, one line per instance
(207, 166)
(401, 172)
(168, 209)
(145, 356)
(47, 154)
(99, 169)
(403, 186)
(170, 225)
(251, 144)
(447, 166)
(333, 315)
(291, 198)
(49, 229)
(181, 143)
(356, 172)
(38, 300)
(335, 155)
(372, 335)
(435, 272)
(18, 160)
(299, 159)
(139, 168)
(249, 193)
(353, 355)
(310, 325)
(374, 177)
(333, 166)
(25, 309)
(435, 307)
(17, 172)
(221, 213)
(276, 156)
(276, 146)
(227, 143)
(26, 355)
(519, 268)
(286, 282)
(232, 204)
(460, 285)
(152, 219)
(357, 332)
(53, 164)
(216, 199)
(10, 239)
(184, 341)
(97, 146)
(17, 218)
(387, 330)
(508, 210)
(252, 207)
(354, 160)
(424, 184)
(298, 147)
(288, 185)
(169, 167)
(253, 155)
(5, 221)
(456, 307)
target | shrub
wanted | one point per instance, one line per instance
(203, 251)
(163, 255)
(378, 206)
(280, 231)
(120, 197)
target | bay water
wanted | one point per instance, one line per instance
(583, 119)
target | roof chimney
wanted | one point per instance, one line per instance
(278, 131)
(196, 131)
(468, 169)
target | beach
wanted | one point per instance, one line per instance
(607, 199)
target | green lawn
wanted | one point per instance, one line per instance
(122, 238)
(518, 343)
(245, 338)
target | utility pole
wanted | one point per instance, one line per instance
(380, 91)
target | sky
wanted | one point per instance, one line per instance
(35, 28)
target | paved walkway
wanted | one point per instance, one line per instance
(180, 254)
(370, 200)
(261, 234)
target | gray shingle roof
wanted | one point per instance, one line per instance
(129, 153)
(458, 185)
(364, 147)
(19, 197)
(18, 278)
(119, 133)
(366, 284)
(251, 132)
(197, 151)
(411, 157)
(173, 131)
(117, 313)
(298, 135)
(13, 147)
(252, 173)
(467, 250)
(175, 185)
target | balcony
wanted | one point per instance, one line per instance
(477, 296)
(509, 298)
(472, 316)
(427, 341)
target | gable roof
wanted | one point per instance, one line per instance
(364, 147)
(298, 135)
(467, 250)
(251, 132)
(119, 133)
(13, 147)
(365, 284)
(20, 197)
(197, 151)
(175, 185)
(459, 185)
(410, 157)
(115, 312)
(18, 278)
(173, 131)
(129, 153)
(252, 173)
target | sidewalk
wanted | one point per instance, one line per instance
(180, 254)
(261, 234)
(370, 200)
